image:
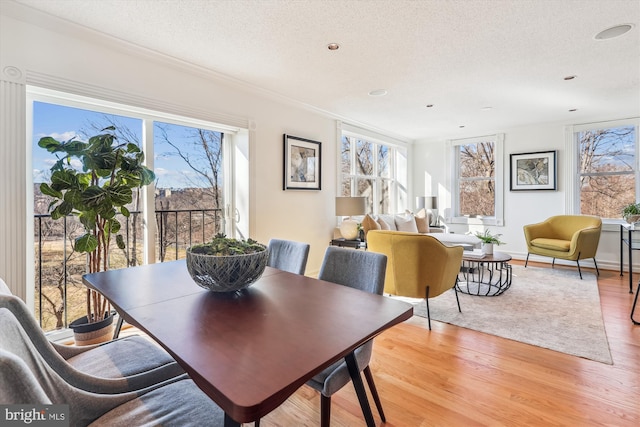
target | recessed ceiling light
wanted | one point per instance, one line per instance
(461, 126)
(572, 110)
(333, 46)
(429, 105)
(378, 92)
(613, 32)
(486, 108)
(570, 77)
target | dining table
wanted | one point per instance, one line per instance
(252, 349)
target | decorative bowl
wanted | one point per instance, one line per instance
(226, 273)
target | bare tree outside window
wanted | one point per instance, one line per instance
(607, 170)
(477, 179)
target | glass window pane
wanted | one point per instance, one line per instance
(365, 189)
(605, 196)
(607, 150)
(59, 292)
(346, 186)
(477, 198)
(476, 160)
(384, 203)
(345, 155)
(189, 189)
(384, 167)
(364, 157)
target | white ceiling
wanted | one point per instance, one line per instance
(459, 55)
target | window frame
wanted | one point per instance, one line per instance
(452, 214)
(572, 175)
(396, 182)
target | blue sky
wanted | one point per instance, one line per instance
(63, 123)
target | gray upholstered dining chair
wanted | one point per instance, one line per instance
(360, 270)
(288, 255)
(118, 366)
(28, 378)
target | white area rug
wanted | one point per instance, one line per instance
(545, 307)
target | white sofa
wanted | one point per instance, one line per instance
(419, 223)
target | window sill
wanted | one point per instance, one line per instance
(475, 221)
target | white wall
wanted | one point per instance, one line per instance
(80, 61)
(521, 207)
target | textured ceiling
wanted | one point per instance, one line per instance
(459, 55)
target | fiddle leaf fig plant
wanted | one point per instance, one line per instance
(95, 193)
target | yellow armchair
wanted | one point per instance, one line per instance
(570, 237)
(418, 266)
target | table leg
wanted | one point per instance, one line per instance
(352, 365)
(635, 302)
(630, 264)
(230, 422)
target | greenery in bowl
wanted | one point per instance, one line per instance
(221, 245)
(630, 210)
(487, 237)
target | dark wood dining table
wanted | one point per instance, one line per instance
(251, 350)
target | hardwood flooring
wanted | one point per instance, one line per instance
(452, 376)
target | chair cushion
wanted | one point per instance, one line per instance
(122, 358)
(552, 244)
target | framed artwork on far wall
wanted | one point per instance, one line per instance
(302, 164)
(534, 171)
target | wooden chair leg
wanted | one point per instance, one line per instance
(374, 392)
(256, 423)
(325, 410)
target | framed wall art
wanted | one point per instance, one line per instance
(302, 164)
(534, 171)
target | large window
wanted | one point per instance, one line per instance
(607, 168)
(187, 206)
(374, 170)
(476, 179)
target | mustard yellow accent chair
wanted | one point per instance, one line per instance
(418, 266)
(570, 237)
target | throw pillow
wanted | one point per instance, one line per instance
(406, 223)
(383, 224)
(422, 221)
(368, 223)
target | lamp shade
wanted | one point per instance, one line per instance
(348, 206)
(426, 202)
(431, 202)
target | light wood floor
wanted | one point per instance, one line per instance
(452, 376)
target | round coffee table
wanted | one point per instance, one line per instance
(489, 276)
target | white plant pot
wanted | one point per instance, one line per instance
(487, 248)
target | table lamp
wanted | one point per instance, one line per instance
(349, 206)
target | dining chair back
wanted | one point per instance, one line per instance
(26, 375)
(359, 270)
(288, 255)
(118, 366)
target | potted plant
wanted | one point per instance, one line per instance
(631, 212)
(95, 194)
(488, 240)
(225, 264)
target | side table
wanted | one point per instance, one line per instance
(629, 237)
(355, 244)
(489, 276)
